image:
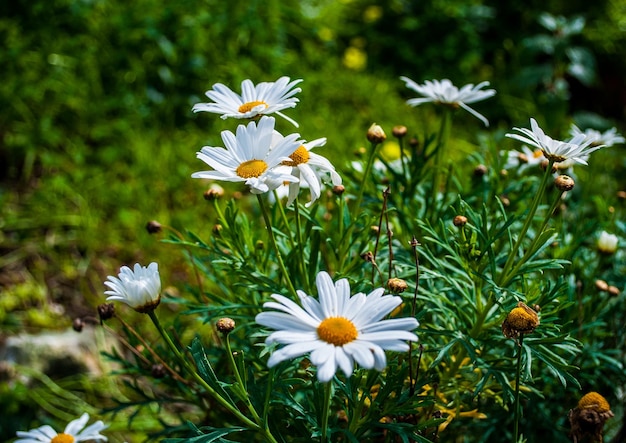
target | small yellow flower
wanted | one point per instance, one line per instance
(521, 320)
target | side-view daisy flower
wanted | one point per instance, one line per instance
(445, 93)
(139, 288)
(73, 432)
(338, 330)
(311, 168)
(577, 149)
(254, 101)
(250, 156)
(606, 138)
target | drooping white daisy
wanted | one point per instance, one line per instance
(606, 138)
(262, 99)
(309, 167)
(139, 288)
(445, 93)
(577, 149)
(251, 156)
(73, 432)
(338, 330)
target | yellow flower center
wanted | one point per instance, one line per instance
(299, 156)
(251, 168)
(337, 331)
(247, 107)
(593, 400)
(522, 319)
(62, 438)
(537, 153)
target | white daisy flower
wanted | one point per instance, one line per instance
(310, 168)
(73, 432)
(338, 330)
(577, 149)
(139, 288)
(250, 156)
(606, 138)
(254, 101)
(444, 92)
(525, 159)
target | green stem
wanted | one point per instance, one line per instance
(517, 379)
(281, 264)
(366, 173)
(231, 360)
(221, 400)
(303, 267)
(442, 142)
(531, 249)
(529, 218)
(328, 388)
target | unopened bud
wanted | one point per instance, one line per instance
(480, 170)
(397, 285)
(414, 243)
(414, 142)
(158, 370)
(217, 229)
(78, 324)
(153, 227)
(460, 221)
(505, 200)
(338, 189)
(106, 311)
(621, 195)
(613, 291)
(564, 183)
(399, 131)
(368, 256)
(601, 285)
(375, 134)
(225, 325)
(214, 192)
(374, 230)
(259, 245)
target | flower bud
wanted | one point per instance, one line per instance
(613, 291)
(460, 221)
(480, 171)
(106, 311)
(78, 324)
(158, 370)
(607, 243)
(397, 285)
(225, 325)
(375, 134)
(153, 227)
(214, 192)
(621, 195)
(564, 183)
(217, 229)
(338, 189)
(368, 256)
(601, 285)
(399, 131)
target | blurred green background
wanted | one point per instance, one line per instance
(97, 135)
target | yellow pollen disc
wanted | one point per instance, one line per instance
(537, 153)
(62, 438)
(251, 168)
(337, 331)
(299, 156)
(247, 107)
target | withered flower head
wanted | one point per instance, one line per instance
(397, 285)
(521, 320)
(588, 417)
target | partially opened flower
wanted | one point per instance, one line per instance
(254, 101)
(445, 93)
(73, 432)
(338, 330)
(606, 138)
(577, 149)
(250, 156)
(310, 168)
(139, 288)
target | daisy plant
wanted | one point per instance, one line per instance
(75, 431)
(254, 101)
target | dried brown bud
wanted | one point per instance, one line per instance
(153, 227)
(564, 183)
(397, 285)
(414, 243)
(338, 189)
(613, 291)
(217, 229)
(375, 134)
(158, 370)
(601, 285)
(106, 311)
(399, 131)
(521, 320)
(460, 221)
(225, 325)
(368, 256)
(414, 142)
(78, 324)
